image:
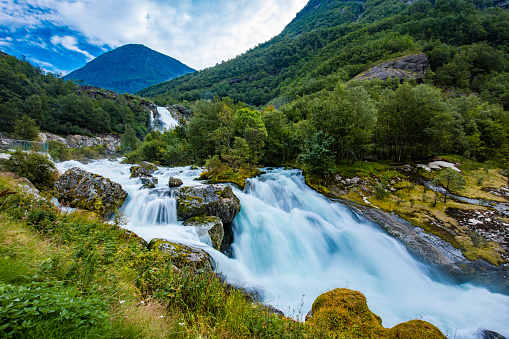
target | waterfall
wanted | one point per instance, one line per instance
(292, 244)
(164, 121)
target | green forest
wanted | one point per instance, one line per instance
(292, 100)
(62, 107)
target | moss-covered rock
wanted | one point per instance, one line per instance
(182, 255)
(345, 313)
(214, 200)
(208, 224)
(81, 189)
(144, 169)
(415, 329)
(174, 182)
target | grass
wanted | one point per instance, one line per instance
(89, 281)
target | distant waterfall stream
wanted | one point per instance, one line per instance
(292, 244)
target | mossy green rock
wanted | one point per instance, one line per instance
(214, 200)
(144, 169)
(345, 313)
(174, 182)
(81, 189)
(182, 255)
(208, 224)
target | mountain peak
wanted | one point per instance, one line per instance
(129, 68)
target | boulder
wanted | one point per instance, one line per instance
(208, 224)
(149, 182)
(181, 255)
(410, 66)
(485, 334)
(174, 182)
(345, 313)
(93, 192)
(144, 169)
(214, 200)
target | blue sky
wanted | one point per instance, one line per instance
(62, 35)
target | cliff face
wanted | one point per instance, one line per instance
(410, 66)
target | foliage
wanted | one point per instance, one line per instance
(37, 168)
(451, 180)
(324, 44)
(129, 140)
(95, 280)
(316, 155)
(47, 306)
(26, 129)
(62, 107)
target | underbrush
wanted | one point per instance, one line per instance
(72, 275)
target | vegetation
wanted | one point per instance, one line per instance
(91, 279)
(27, 95)
(332, 42)
(37, 168)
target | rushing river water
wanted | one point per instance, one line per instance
(292, 244)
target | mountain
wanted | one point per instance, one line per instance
(129, 68)
(335, 40)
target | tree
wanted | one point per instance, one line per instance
(26, 129)
(316, 155)
(129, 140)
(250, 126)
(409, 120)
(450, 179)
(348, 116)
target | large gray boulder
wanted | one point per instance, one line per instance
(406, 67)
(208, 224)
(81, 189)
(182, 255)
(214, 200)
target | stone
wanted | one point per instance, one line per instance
(208, 224)
(345, 313)
(149, 182)
(214, 200)
(174, 182)
(182, 255)
(410, 66)
(144, 169)
(485, 334)
(81, 189)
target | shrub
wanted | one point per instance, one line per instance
(37, 168)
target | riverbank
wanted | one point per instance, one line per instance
(466, 239)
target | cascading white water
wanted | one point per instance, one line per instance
(167, 120)
(292, 244)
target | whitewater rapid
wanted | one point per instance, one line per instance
(292, 244)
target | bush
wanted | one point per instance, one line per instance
(59, 151)
(37, 168)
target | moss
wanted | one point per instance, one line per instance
(345, 314)
(415, 329)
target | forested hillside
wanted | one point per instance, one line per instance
(63, 107)
(331, 41)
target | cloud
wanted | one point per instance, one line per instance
(70, 43)
(199, 33)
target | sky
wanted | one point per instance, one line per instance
(62, 35)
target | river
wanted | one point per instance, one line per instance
(292, 244)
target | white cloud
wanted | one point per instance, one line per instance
(70, 43)
(199, 33)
